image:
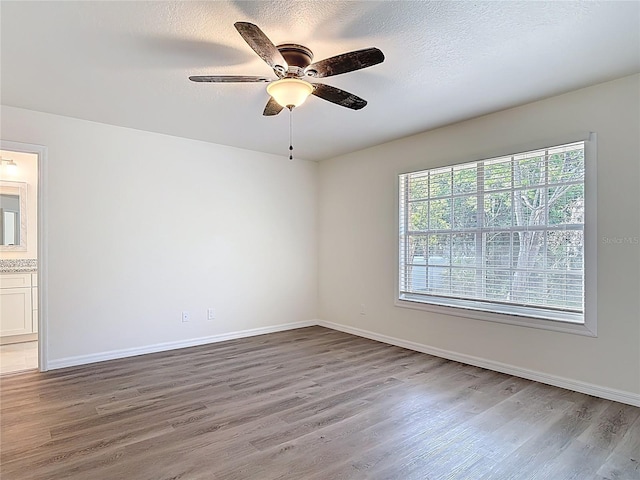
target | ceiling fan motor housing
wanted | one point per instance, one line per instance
(298, 58)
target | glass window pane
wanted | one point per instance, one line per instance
(565, 250)
(464, 282)
(418, 249)
(465, 179)
(564, 290)
(527, 288)
(497, 209)
(463, 249)
(418, 185)
(528, 249)
(497, 249)
(440, 183)
(529, 170)
(566, 166)
(465, 212)
(439, 249)
(416, 281)
(530, 207)
(566, 205)
(418, 216)
(497, 174)
(439, 280)
(497, 283)
(440, 214)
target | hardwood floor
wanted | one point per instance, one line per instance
(310, 404)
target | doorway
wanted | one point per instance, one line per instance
(21, 236)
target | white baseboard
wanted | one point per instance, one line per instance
(162, 347)
(557, 381)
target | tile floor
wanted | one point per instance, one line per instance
(17, 357)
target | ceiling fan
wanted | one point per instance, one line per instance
(291, 63)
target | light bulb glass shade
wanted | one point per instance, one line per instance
(290, 91)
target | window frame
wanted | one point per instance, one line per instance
(473, 310)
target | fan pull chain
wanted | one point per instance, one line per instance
(290, 134)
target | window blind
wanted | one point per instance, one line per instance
(504, 234)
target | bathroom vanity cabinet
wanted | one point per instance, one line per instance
(18, 306)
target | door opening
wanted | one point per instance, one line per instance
(21, 237)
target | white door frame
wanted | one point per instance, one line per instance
(43, 307)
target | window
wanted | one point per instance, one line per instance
(504, 235)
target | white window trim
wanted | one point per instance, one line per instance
(589, 327)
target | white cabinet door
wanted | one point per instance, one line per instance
(15, 311)
(15, 280)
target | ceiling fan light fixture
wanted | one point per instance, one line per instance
(290, 92)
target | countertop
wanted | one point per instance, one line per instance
(21, 265)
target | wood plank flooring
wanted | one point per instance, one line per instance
(307, 404)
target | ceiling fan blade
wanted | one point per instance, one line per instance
(227, 78)
(339, 97)
(272, 108)
(261, 44)
(347, 62)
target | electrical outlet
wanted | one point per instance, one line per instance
(186, 316)
(211, 314)
(362, 309)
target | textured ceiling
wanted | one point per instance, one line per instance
(127, 63)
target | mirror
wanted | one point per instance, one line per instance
(13, 216)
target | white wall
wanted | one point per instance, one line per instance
(142, 226)
(357, 245)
